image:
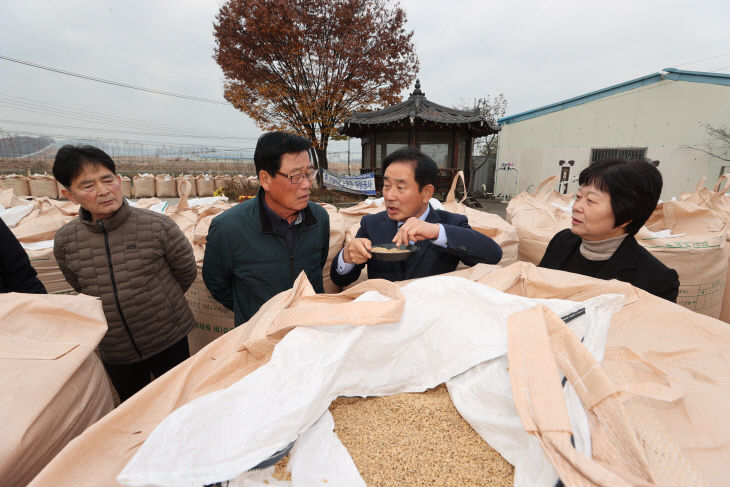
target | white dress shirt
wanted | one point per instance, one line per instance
(343, 267)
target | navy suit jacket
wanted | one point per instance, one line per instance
(630, 263)
(463, 244)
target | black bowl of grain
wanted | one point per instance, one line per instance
(391, 252)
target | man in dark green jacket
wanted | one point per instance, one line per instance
(257, 249)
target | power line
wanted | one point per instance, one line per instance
(703, 59)
(121, 131)
(68, 113)
(118, 60)
(114, 83)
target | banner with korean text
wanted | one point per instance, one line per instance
(362, 184)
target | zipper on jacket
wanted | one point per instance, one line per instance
(114, 286)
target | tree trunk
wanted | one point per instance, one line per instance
(322, 157)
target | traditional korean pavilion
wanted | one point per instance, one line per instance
(446, 134)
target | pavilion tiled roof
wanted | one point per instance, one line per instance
(418, 108)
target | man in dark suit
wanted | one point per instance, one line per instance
(444, 238)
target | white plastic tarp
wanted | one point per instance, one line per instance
(449, 326)
(12, 216)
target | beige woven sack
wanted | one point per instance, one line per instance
(54, 385)
(687, 351)
(493, 226)
(337, 239)
(719, 202)
(537, 220)
(204, 185)
(126, 187)
(165, 186)
(352, 214)
(19, 184)
(44, 263)
(46, 218)
(193, 192)
(60, 187)
(43, 186)
(8, 198)
(212, 319)
(697, 250)
(629, 445)
(100, 453)
(222, 181)
(253, 183)
(143, 185)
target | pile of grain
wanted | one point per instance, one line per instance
(416, 439)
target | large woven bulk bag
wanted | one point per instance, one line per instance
(681, 435)
(46, 218)
(144, 185)
(126, 187)
(537, 217)
(44, 263)
(253, 183)
(204, 185)
(212, 319)
(493, 226)
(718, 201)
(692, 240)
(60, 187)
(9, 199)
(43, 185)
(353, 214)
(222, 181)
(191, 179)
(55, 385)
(19, 184)
(165, 186)
(337, 238)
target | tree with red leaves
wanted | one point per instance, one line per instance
(303, 65)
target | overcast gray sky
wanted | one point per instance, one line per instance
(536, 53)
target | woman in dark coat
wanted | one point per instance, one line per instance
(615, 198)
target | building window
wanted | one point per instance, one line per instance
(623, 153)
(388, 142)
(436, 146)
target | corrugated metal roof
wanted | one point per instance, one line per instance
(666, 74)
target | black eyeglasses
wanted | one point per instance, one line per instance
(298, 178)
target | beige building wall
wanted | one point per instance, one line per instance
(665, 117)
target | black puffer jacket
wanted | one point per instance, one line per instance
(140, 264)
(16, 273)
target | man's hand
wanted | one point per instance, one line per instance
(357, 251)
(415, 230)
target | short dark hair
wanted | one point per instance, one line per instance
(71, 159)
(634, 187)
(425, 170)
(272, 145)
